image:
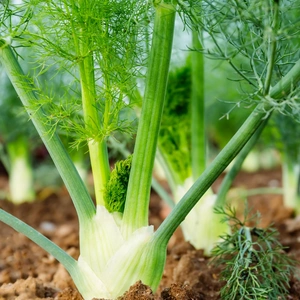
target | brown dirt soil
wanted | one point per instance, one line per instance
(28, 272)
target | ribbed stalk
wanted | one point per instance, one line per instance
(138, 194)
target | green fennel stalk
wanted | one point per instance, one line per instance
(97, 149)
(138, 194)
(97, 146)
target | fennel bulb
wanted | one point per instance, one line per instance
(202, 227)
(109, 263)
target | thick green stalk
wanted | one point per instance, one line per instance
(256, 118)
(230, 176)
(97, 146)
(82, 200)
(198, 151)
(138, 194)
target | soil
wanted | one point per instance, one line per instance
(28, 272)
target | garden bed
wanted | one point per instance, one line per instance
(28, 272)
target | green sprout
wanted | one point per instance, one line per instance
(254, 264)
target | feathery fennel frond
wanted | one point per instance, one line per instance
(116, 188)
(253, 260)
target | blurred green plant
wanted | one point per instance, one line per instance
(288, 144)
(257, 58)
(16, 138)
(182, 151)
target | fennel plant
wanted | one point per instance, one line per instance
(256, 47)
(182, 151)
(102, 46)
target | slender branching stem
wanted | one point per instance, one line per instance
(230, 176)
(272, 50)
(97, 146)
(78, 192)
(138, 194)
